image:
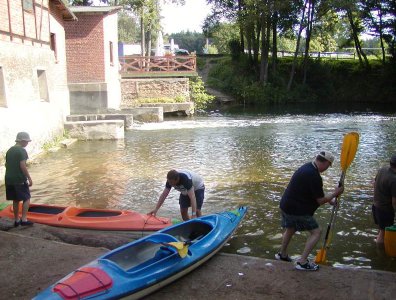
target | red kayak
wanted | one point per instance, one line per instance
(90, 218)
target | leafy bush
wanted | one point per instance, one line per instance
(235, 48)
(198, 93)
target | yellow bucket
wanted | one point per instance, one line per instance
(390, 241)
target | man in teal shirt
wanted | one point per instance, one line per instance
(17, 178)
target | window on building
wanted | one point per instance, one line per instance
(111, 53)
(43, 87)
(3, 102)
(53, 45)
(28, 5)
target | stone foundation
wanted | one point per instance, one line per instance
(134, 90)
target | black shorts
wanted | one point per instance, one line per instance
(185, 202)
(18, 192)
(383, 218)
(299, 223)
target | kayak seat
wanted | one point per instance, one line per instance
(144, 253)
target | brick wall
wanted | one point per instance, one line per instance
(84, 49)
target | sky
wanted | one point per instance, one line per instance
(190, 16)
(177, 18)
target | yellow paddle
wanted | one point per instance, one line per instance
(348, 151)
(181, 247)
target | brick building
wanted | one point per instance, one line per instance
(92, 59)
(34, 95)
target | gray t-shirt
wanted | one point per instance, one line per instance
(187, 180)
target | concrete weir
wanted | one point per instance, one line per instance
(96, 130)
(105, 126)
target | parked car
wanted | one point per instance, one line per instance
(181, 52)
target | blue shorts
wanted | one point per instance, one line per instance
(18, 192)
(299, 223)
(185, 202)
(383, 218)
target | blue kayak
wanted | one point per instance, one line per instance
(145, 265)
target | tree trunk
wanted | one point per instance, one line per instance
(274, 41)
(381, 34)
(265, 33)
(241, 31)
(355, 36)
(293, 70)
(249, 45)
(142, 33)
(310, 14)
(256, 43)
(149, 43)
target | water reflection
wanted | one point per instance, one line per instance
(244, 160)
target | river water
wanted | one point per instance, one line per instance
(244, 160)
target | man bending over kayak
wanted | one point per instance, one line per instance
(192, 191)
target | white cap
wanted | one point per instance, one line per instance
(23, 136)
(327, 156)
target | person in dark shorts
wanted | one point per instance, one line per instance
(17, 178)
(384, 205)
(303, 195)
(192, 192)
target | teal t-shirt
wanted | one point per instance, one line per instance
(14, 156)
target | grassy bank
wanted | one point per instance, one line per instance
(328, 82)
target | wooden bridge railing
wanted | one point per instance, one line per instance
(143, 64)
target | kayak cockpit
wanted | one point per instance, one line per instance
(189, 231)
(48, 210)
(138, 255)
(156, 247)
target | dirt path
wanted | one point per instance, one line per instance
(220, 96)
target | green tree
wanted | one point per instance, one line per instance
(128, 28)
(222, 34)
(191, 41)
(379, 18)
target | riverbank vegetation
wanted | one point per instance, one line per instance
(256, 72)
(327, 81)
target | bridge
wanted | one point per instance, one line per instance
(158, 66)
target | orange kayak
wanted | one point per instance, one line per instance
(90, 218)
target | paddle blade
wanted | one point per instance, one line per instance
(183, 252)
(320, 256)
(348, 149)
(181, 248)
(3, 205)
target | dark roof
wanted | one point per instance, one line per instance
(63, 6)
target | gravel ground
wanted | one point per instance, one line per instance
(33, 258)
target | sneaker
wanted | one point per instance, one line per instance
(26, 223)
(17, 223)
(308, 266)
(279, 256)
